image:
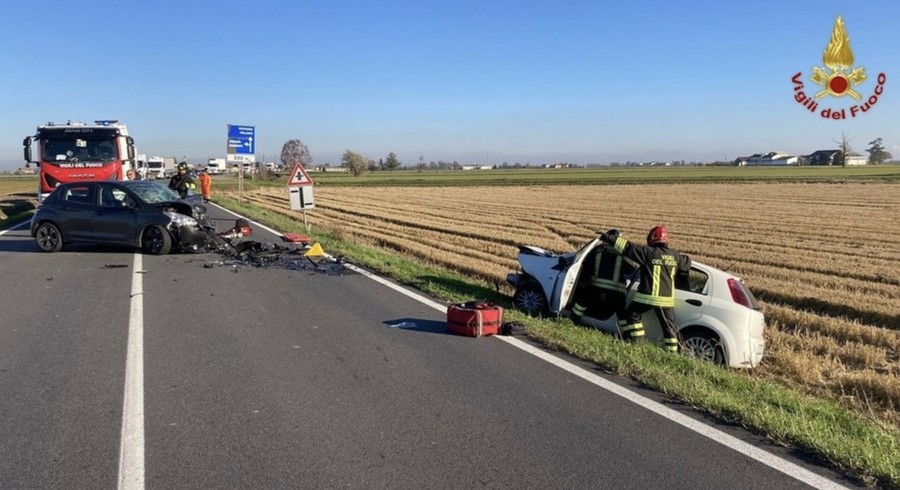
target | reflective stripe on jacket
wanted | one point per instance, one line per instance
(658, 265)
(608, 269)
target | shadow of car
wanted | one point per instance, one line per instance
(137, 213)
(716, 316)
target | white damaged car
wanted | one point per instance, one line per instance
(716, 316)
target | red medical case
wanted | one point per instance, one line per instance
(475, 318)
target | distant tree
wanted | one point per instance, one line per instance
(293, 152)
(845, 151)
(877, 153)
(421, 166)
(392, 163)
(354, 162)
(373, 166)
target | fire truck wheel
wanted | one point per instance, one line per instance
(156, 240)
(48, 237)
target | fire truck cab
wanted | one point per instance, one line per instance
(77, 151)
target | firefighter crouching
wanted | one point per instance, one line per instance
(658, 265)
(602, 290)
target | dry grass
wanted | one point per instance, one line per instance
(822, 257)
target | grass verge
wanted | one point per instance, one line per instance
(853, 444)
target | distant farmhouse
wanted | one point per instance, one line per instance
(777, 158)
(818, 157)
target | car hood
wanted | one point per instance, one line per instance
(186, 208)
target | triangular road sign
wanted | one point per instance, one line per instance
(299, 177)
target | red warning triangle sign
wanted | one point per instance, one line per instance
(299, 177)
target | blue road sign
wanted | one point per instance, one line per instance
(241, 139)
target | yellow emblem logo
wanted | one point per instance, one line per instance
(838, 57)
(837, 79)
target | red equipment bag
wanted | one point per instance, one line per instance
(475, 318)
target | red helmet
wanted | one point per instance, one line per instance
(658, 234)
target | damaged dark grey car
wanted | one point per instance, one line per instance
(138, 213)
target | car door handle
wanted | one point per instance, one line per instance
(695, 302)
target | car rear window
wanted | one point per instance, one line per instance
(695, 282)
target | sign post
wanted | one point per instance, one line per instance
(300, 189)
(240, 149)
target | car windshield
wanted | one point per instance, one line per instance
(77, 149)
(152, 192)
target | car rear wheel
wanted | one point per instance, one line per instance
(704, 346)
(530, 299)
(48, 237)
(156, 240)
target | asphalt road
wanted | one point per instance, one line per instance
(273, 378)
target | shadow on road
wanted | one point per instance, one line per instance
(419, 325)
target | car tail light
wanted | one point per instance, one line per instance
(739, 293)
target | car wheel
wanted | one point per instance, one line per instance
(156, 240)
(704, 346)
(48, 237)
(530, 299)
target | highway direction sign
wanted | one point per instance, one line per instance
(241, 139)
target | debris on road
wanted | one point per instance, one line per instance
(256, 254)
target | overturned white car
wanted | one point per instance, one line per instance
(716, 316)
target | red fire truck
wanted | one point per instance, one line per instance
(76, 151)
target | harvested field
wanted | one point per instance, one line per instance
(821, 257)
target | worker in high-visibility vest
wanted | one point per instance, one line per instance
(659, 266)
(602, 289)
(182, 182)
(205, 185)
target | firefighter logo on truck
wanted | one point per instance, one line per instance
(838, 80)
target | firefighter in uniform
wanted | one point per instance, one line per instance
(659, 266)
(602, 289)
(182, 181)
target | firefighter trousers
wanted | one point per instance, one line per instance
(598, 303)
(633, 327)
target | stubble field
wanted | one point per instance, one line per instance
(822, 258)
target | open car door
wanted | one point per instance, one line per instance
(568, 275)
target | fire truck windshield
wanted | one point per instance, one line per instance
(57, 150)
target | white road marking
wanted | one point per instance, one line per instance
(18, 225)
(778, 463)
(131, 449)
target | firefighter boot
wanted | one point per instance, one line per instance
(670, 344)
(633, 332)
(577, 313)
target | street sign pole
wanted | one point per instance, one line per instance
(241, 182)
(240, 149)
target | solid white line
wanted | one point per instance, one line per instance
(788, 468)
(18, 225)
(131, 450)
(764, 457)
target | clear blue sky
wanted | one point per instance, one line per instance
(527, 81)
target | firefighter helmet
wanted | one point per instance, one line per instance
(613, 234)
(183, 166)
(658, 234)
